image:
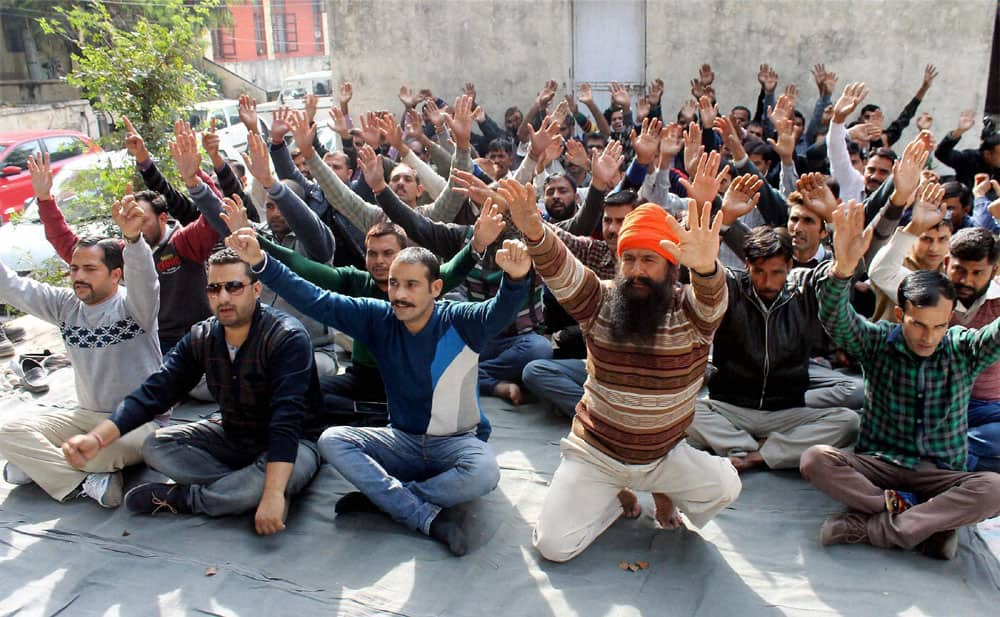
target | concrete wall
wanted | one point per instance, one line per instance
(509, 48)
(269, 74)
(72, 115)
(37, 92)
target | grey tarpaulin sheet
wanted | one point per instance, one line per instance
(759, 557)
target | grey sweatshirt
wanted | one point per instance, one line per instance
(113, 345)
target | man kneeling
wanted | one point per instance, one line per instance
(258, 364)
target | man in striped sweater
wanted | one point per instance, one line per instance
(647, 345)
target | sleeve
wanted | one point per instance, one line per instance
(142, 285)
(179, 206)
(446, 207)
(491, 130)
(706, 300)
(444, 239)
(789, 176)
(659, 193)
(319, 274)
(851, 182)
(772, 205)
(433, 183)
(178, 374)
(440, 158)
(196, 240)
(885, 224)
(764, 101)
(575, 286)
(981, 215)
(887, 270)
(29, 296)
(525, 172)
(360, 213)
(480, 322)
(982, 344)
(814, 127)
(877, 200)
(848, 330)
(734, 237)
(313, 235)
(290, 365)
(57, 231)
(587, 218)
(959, 160)
(285, 167)
(230, 185)
(454, 271)
(895, 129)
(208, 203)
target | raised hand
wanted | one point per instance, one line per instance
(850, 238)
(671, 143)
(928, 209)
(586, 95)
(460, 123)
(338, 123)
(546, 94)
(930, 74)
(707, 180)
(407, 97)
(257, 161)
(686, 112)
(925, 121)
(303, 132)
(571, 105)
(369, 130)
(819, 76)
(184, 151)
(346, 94)
(514, 259)
(540, 140)
(244, 242)
(371, 168)
(816, 195)
(906, 171)
(864, 133)
(280, 125)
(551, 153)
(488, 226)
(468, 184)
(655, 93)
(697, 89)
(642, 108)
(470, 91)
(981, 185)
(134, 143)
(605, 167)
(248, 113)
(392, 133)
(312, 102)
(705, 75)
(730, 137)
(576, 154)
(783, 109)
(693, 148)
(41, 175)
(620, 97)
(965, 121)
(741, 197)
(434, 113)
(234, 213)
(128, 215)
(523, 210)
(768, 78)
(707, 112)
(210, 141)
(785, 146)
(414, 125)
(647, 142)
(849, 101)
(697, 246)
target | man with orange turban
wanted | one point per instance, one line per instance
(647, 346)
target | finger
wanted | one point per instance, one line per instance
(672, 248)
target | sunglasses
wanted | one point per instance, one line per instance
(233, 288)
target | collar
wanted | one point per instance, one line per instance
(992, 293)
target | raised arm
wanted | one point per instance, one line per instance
(179, 205)
(142, 299)
(57, 231)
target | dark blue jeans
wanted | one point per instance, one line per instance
(504, 358)
(984, 435)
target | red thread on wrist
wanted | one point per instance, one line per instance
(100, 441)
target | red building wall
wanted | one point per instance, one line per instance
(244, 41)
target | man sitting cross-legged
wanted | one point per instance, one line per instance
(258, 365)
(918, 379)
(429, 458)
(647, 346)
(110, 336)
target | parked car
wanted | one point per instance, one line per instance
(16, 147)
(232, 134)
(23, 246)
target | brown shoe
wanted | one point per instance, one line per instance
(942, 545)
(844, 529)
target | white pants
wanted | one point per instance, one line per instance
(582, 500)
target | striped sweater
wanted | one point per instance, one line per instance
(638, 400)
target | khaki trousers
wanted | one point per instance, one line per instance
(582, 500)
(729, 430)
(33, 444)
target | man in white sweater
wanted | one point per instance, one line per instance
(111, 339)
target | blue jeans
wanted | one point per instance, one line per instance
(984, 435)
(504, 358)
(558, 382)
(411, 477)
(223, 478)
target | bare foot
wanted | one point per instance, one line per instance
(748, 462)
(510, 391)
(666, 514)
(630, 504)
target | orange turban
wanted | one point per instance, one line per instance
(643, 228)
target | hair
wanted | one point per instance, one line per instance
(624, 197)
(228, 256)
(501, 143)
(333, 153)
(923, 289)
(560, 176)
(854, 148)
(974, 244)
(795, 199)
(765, 242)
(386, 228)
(595, 135)
(798, 114)
(885, 153)
(238, 166)
(754, 123)
(510, 111)
(154, 199)
(420, 255)
(757, 146)
(957, 189)
(416, 176)
(945, 223)
(869, 108)
(112, 250)
(746, 109)
(834, 186)
(295, 187)
(989, 142)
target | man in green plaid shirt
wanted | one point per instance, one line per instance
(918, 379)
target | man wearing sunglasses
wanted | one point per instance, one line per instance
(258, 364)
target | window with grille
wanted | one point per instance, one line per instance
(286, 34)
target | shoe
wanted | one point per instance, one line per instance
(6, 347)
(355, 502)
(844, 529)
(942, 545)
(12, 474)
(104, 488)
(448, 527)
(32, 373)
(16, 334)
(899, 501)
(153, 497)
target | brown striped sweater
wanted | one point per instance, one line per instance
(638, 400)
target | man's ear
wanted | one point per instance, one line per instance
(897, 312)
(436, 287)
(258, 287)
(118, 274)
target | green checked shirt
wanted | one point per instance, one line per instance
(915, 408)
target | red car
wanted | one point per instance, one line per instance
(17, 146)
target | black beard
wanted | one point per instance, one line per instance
(636, 320)
(977, 295)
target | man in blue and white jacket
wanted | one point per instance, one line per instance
(429, 458)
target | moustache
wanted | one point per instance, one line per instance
(959, 288)
(400, 304)
(75, 285)
(633, 280)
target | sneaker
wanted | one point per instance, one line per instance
(844, 529)
(6, 347)
(942, 545)
(16, 334)
(899, 501)
(153, 497)
(12, 474)
(104, 488)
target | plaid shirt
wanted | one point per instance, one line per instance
(915, 407)
(595, 254)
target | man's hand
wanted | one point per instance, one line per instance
(906, 171)
(816, 195)
(925, 121)
(647, 142)
(470, 91)
(134, 143)
(586, 95)
(303, 132)
(605, 167)
(981, 185)
(369, 130)
(965, 121)
(514, 259)
(730, 138)
(784, 107)
(849, 101)
(620, 98)
(270, 516)
(234, 213)
(655, 93)
(571, 105)
(928, 209)
(741, 197)
(785, 146)
(392, 133)
(280, 125)
(864, 133)
(768, 78)
(244, 242)
(697, 246)
(693, 148)
(576, 154)
(705, 75)
(41, 175)
(488, 226)
(543, 138)
(346, 94)
(460, 123)
(671, 143)
(407, 97)
(930, 73)
(312, 102)
(128, 215)
(338, 123)
(850, 238)
(707, 112)
(371, 168)
(248, 113)
(465, 183)
(707, 180)
(257, 161)
(686, 113)
(546, 94)
(79, 450)
(642, 108)
(523, 210)
(184, 151)
(210, 142)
